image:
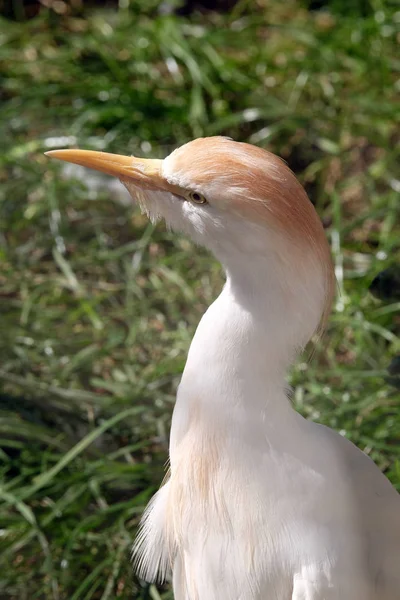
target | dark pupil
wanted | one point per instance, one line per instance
(196, 196)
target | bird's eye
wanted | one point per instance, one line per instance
(196, 198)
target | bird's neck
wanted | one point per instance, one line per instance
(235, 371)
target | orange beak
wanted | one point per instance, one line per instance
(145, 172)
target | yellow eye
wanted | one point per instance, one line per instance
(196, 198)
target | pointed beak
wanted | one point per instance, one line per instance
(144, 172)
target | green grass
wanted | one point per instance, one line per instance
(98, 307)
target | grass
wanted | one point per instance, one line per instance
(98, 307)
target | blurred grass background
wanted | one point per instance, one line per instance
(98, 307)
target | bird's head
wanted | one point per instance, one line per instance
(245, 205)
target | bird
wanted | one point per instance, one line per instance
(259, 502)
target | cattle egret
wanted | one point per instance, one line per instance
(259, 503)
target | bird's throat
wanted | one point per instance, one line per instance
(234, 379)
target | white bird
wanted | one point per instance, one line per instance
(259, 504)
